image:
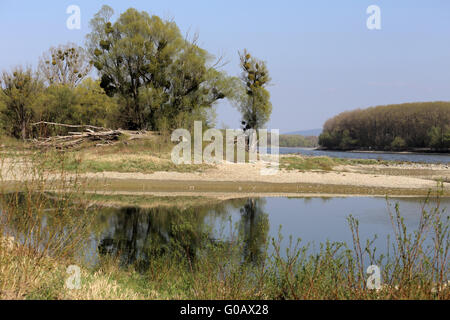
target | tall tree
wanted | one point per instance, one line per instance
(66, 64)
(254, 104)
(19, 91)
(151, 67)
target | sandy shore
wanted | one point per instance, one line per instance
(244, 179)
(347, 175)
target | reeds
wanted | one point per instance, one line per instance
(45, 223)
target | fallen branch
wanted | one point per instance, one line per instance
(68, 125)
(103, 135)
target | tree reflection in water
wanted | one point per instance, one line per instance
(136, 235)
(255, 228)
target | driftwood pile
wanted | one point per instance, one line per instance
(101, 135)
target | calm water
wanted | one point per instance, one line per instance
(134, 232)
(412, 157)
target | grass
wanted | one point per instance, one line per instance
(147, 155)
(23, 275)
(118, 200)
(128, 166)
(384, 167)
(322, 163)
(152, 153)
(9, 142)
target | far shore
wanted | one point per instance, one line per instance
(418, 151)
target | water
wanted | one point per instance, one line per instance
(133, 232)
(411, 157)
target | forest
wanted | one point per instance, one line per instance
(296, 141)
(409, 126)
(136, 73)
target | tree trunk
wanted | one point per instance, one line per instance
(24, 130)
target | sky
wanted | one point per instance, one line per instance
(322, 58)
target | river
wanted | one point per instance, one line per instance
(408, 157)
(132, 232)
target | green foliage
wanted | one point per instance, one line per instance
(127, 165)
(440, 137)
(398, 144)
(154, 70)
(296, 141)
(346, 141)
(329, 139)
(254, 103)
(19, 91)
(391, 127)
(151, 77)
(85, 104)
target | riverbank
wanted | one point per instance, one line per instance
(144, 165)
(297, 176)
(411, 151)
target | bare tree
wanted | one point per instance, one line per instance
(66, 64)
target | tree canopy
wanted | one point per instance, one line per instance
(391, 127)
(155, 72)
(20, 90)
(254, 104)
(150, 77)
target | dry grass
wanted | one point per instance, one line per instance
(25, 275)
(43, 233)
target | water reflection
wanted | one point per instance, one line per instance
(255, 229)
(136, 235)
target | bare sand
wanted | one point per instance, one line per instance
(235, 180)
(230, 172)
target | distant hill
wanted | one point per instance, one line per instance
(306, 133)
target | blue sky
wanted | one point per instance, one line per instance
(322, 58)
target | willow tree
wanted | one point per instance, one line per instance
(152, 68)
(254, 104)
(66, 65)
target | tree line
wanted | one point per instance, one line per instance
(297, 141)
(149, 77)
(391, 127)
